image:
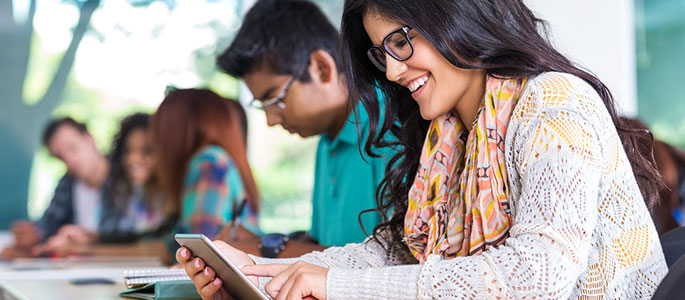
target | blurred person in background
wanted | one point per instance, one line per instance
(671, 164)
(287, 54)
(135, 220)
(200, 140)
(667, 213)
(79, 194)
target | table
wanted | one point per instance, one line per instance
(58, 289)
(39, 279)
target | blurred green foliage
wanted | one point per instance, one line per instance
(284, 176)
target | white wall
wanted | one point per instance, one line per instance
(600, 36)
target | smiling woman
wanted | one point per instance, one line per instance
(515, 179)
(435, 84)
(135, 190)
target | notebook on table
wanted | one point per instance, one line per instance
(158, 284)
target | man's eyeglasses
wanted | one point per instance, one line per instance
(397, 44)
(277, 102)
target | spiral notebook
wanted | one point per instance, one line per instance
(165, 284)
(138, 278)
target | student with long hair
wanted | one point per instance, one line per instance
(515, 180)
(200, 142)
(135, 189)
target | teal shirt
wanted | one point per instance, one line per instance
(345, 185)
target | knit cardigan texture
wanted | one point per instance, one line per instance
(580, 227)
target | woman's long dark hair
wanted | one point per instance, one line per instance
(122, 188)
(500, 37)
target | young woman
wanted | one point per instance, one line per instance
(515, 179)
(135, 189)
(200, 142)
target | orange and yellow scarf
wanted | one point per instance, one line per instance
(459, 202)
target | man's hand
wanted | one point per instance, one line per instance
(16, 252)
(69, 240)
(77, 234)
(26, 234)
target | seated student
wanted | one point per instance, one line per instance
(200, 143)
(135, 221)
(135, 192)
(670, 162)
(79, 194)
(287, 54)
(518, 179)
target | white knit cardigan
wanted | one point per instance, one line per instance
(580, 229)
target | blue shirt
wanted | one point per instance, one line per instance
(345, 184)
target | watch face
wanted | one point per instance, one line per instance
(273, 240)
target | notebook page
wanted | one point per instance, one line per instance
(136, 278)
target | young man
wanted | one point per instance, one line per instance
(78, 196)
(287, 53)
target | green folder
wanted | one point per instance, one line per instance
(164, 290)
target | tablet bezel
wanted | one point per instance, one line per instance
(202, 247)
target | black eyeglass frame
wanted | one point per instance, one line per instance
(278, 100)
(404, 30)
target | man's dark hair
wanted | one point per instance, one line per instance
(55, 124)
(280, 35)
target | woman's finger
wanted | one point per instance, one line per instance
(194, 267)
(299, 289)
(284, 291)
(208, 291)
(266, 270)
(209, 272)
(201, 276)
(205, 277)
(301, 280)
(275, 286)
(182, 255)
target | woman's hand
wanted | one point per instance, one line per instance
(204, 277)
(297, 281)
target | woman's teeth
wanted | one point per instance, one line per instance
(416, 84)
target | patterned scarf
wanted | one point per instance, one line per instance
(459, 202)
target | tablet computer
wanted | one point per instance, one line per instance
(234, 281)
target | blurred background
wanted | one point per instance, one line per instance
(99, 60)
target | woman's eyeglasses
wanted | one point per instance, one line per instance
(397, 44)
(278, 100)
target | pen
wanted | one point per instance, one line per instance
(237, 211)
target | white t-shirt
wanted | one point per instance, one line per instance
(87, 206)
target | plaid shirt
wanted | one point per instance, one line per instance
(61, 209)
(211, 190)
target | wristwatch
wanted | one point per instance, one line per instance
(272, 244)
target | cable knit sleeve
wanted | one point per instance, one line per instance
(557, 158)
